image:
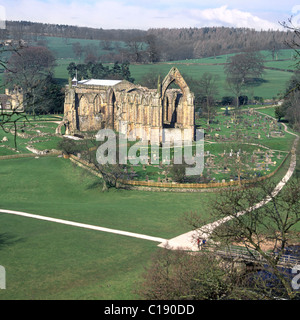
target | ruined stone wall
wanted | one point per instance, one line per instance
(14, 100)
(130, 109)
(140, 111)
(85, 108)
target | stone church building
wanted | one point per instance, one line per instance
(91, 105)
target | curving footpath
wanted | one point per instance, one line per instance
(185, 241)
(188, 241)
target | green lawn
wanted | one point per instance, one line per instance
(44, 260)
(275, 81)
(38, 132)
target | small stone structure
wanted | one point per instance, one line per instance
(91, 105)
(12, 100)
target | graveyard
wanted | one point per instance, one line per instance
(32, 135)
(242, 145)
(61, 259)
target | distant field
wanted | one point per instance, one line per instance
(274, 85)
(62, 48)
(287, 54)
(275, 81)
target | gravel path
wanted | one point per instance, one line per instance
(83, 225)
(188, 241)
(185, 241)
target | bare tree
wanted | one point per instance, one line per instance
(153, 50)
(9, 118)
(178, 275)
(135, 50)
(290, 108)
(208, 90)
(31, 69)
(243, 70)
(78, 49)
(111, 173)
(266, 232)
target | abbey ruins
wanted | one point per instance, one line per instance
(91, 105)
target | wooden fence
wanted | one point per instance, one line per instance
(174, 185)
(151, 184)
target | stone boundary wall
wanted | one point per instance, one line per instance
(177, 187)
(84, 164)
(30, 155)
(150, 185)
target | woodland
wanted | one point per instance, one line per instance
(159, 44)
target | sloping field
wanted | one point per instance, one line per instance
(45, 260)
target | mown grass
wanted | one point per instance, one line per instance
(47, 261)
(274, 81)
(44, 260)
(66, 192)
(37, 133)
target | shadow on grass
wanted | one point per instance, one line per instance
(95, 185)
(99, 185)
(255, 82)
(297, 172)
(7, 239)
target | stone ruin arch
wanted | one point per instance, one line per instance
(111, 106)
(98, 104)
(175, 76)
(121, 103)
(177, 107)
(59, 128)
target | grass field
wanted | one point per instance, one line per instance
(44, 260)
(274, 80)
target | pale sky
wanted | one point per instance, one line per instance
(145, 14)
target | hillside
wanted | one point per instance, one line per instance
(193, 51)
(156, 45)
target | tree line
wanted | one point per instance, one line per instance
(31, 71)
(22, 29)
(160, 44)
(92, 70)
(289, 110)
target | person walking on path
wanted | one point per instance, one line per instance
(199, 242)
